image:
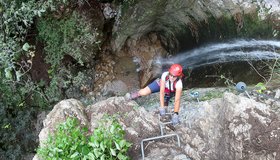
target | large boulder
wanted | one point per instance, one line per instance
(233, 127)
(136, 121)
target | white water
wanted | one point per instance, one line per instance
(238, 50)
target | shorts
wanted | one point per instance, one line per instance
(154, 86)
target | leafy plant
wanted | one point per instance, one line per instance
(70, 35)
(20, 98)
(260, 87)
(108, 143)
(17, 132)
(71, 142)
(211, 95)
(68, 142)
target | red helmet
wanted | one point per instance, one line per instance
(176, 70)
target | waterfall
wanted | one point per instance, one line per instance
(237, 50)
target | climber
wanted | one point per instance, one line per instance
(169, 85)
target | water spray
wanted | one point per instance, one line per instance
(239, 50)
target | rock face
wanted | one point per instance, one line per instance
(171, 21)
(59, 114)
(233, 127)
(171, 18)
(146, 51)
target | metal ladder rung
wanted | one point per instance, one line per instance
(158, 137)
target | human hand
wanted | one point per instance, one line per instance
(162, 111)
(175, 119)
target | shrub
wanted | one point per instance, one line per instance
(17, 132)
(20, 98)
(69, 141)
(71, 35)
(108, 142)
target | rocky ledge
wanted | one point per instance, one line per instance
(230, 127)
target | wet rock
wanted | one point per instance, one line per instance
(171, 19)
(147, 50)
(104, 72)
(114, 88)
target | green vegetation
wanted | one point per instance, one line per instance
(16, 87)
(17, 135)
(70, 35)
(260, 87)
(21, 98)
(256, 27)
(250, 26)
(71, 142)
(211, 95)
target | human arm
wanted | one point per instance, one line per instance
(161, 92)
(175, 117)
(178, 94)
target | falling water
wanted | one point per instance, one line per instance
(238, 50)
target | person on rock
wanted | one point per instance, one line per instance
(169, 85)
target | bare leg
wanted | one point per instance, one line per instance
(142, 92)
(145, 91)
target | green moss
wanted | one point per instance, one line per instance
(255, 27)
(211, 95)
(226, 28)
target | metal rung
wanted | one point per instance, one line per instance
(162, 124)
(158, 137)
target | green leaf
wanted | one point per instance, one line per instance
(102, 157)
(26, 47)
(113, 152)
(121, 156)
(122, 143)
(91, 144)
(74, 155)
(102, 146)
(96, 144)
(85, 150)
(18, 75)
(8, 73)
(91, 155)
(96, 152)
(112, 128)
(117, 146)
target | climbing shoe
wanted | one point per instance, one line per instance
(131, 96)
